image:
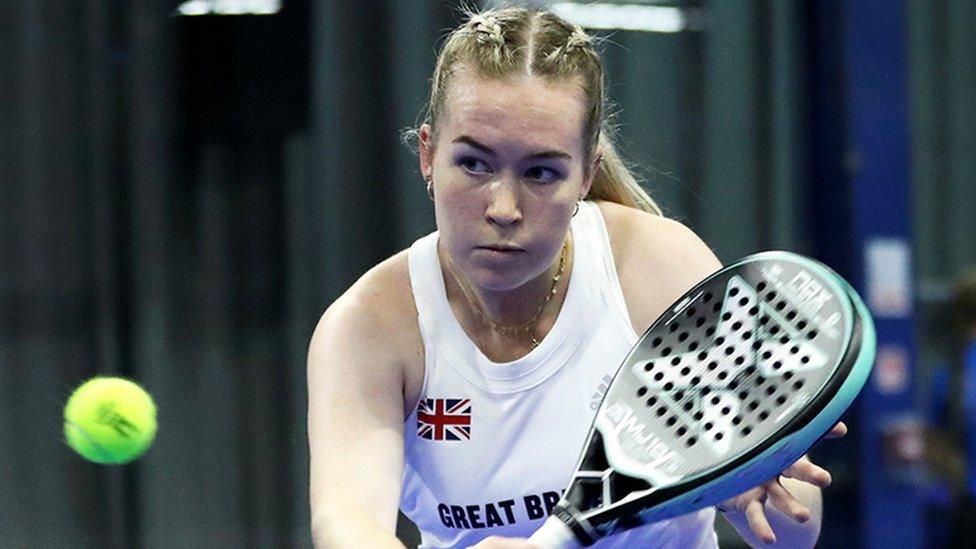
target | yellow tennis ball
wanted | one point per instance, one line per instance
(110, 420)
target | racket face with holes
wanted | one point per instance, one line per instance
(731, 385)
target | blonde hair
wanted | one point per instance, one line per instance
(511, 41)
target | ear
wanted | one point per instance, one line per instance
(426, 147)
(594, 168)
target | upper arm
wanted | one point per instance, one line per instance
(657, 259)
(355, 414)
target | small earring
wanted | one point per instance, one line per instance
(576, 209)
(430, 186)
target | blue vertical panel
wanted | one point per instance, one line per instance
(830, 230)
(878, 158)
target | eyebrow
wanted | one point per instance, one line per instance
(473, 143)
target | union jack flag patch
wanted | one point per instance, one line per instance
(444, 418)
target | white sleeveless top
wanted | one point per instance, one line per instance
(491, 446)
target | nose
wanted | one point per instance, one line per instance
(503, 203)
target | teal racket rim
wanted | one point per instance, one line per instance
(763, 460)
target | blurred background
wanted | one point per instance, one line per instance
(185, 186)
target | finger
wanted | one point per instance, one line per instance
(837, 431)
(756, 515)
(782, 499)
(807, 471)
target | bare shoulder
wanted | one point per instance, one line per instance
(657, 260)
(380, 300)
(372, 327)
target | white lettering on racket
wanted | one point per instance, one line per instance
(810, 293)
(601, 391)
(656, 452)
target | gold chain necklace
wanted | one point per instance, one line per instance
(528, 326)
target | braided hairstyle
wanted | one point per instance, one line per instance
(518, 41)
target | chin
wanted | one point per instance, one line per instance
(498, 280)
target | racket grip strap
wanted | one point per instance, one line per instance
(554, 534)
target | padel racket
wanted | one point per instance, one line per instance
(733, 384)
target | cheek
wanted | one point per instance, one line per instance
(457, 202)
(456, 211)
(554, 211)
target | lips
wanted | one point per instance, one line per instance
(500, 248)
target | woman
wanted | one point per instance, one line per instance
(461, 375)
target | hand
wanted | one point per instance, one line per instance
(753, 502)
(498, 542)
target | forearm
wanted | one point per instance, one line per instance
(789, 532)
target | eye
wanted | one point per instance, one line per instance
(473, 165)
(542, 174)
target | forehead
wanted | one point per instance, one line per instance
(534, 111)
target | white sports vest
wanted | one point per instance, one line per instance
(491, 445)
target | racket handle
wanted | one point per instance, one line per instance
(554, 534)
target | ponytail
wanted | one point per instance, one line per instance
(614, 182)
